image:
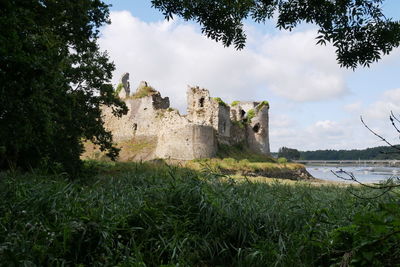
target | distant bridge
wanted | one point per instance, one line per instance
(389, 162)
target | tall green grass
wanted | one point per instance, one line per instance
(137, 214)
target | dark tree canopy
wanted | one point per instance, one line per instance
(379, 153)
(53, 82)
(289, 153)
(358, 29)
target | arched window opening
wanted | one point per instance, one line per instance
(201, 102)
(256, 128)
(223, 128)
(242, 113)
(135, 126)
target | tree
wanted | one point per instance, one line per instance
(289, 153)
(53, 82)
(357, 28)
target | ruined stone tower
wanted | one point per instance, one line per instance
(255, 114)
(202, 109)
(126, 88)
(209, 122)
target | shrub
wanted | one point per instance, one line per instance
(240, 124)
(144, 91)
(282, 160)
(235, 103)
(261, 105)
(220, 101)
(250, 115)
(231, 161)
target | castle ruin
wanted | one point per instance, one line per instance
(208, 123)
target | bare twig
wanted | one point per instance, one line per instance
(394, 123)
(379, 136)
(354, 179)
(386, 188)
(394, 117)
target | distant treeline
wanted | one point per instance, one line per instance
(380, 152)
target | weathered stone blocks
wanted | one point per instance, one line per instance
(209, 121)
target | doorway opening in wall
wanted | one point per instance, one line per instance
(256, 128)
(201, 102)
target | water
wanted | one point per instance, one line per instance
(365, 174)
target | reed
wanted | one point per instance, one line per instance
(140, 214)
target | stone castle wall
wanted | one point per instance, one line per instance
(208, 122)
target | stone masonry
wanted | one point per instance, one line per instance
(208, 123)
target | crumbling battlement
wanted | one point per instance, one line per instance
(209, 122)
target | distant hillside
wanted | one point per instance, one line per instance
(380, 152)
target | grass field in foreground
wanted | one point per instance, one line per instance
(139, 214)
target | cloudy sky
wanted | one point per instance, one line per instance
(314, 104)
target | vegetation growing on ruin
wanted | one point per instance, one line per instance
(261, 105)
(144, 91)
(240, 152)
(250, 115)
(235, 103)
(220, 101)
(119, 88)
(142, 214)
(241, 124)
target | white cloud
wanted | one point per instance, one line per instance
(171, 55)
(281, 121)
(353, 107)
(327, 129)
(380, 109)
(301, 70)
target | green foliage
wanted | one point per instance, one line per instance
(248, 167)
(261, 105)
(135, 214)
(289, 153)
(371, 239)
(359, 30)
(241, 124)
(239, 160)
(235, 103)
(220, 101)
(144, 91)
(250, 115)
(282, 160)
(53, 83)
(239, 152)
(380, 152)
(119, 88)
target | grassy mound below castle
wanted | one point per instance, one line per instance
(153, 214)
(241, 162)
(231, 160)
